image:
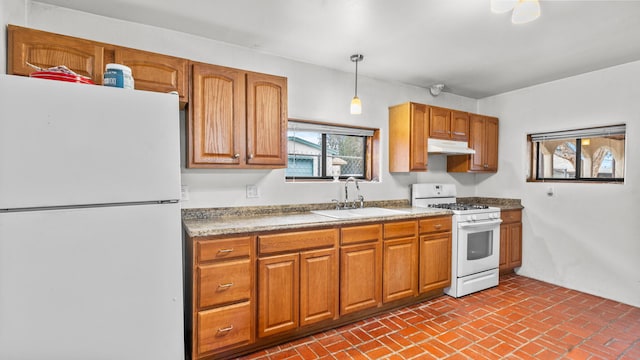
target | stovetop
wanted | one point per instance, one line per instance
(458, 206)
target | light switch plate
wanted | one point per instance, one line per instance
(184, 192)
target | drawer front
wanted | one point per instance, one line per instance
(511, 216)
(224, 327)
(223, 248)
(296, 241)
(400, 229)
(361, 234)
(224, 282)
(435, 224)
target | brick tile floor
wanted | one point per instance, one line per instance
(522, 318)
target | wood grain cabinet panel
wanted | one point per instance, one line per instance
(223, 249)
(156, 72)
(360, 277)
(237, 119)
(435, 261)
(439, 123)
(408, 132)
(278, 301)
(510, 240)
(224, 327)
(47, 50)
(224, 282)
(483, 138)
(400, 269)
(318, 286)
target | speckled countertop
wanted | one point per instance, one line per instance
(228, 221)
(237, 220)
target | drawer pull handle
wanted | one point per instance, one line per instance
(437, 226)
(223, 331)
(225, 251)
(225, 286)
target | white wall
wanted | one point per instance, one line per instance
(586, 236)
(314, 93)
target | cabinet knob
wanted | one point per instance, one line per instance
(250, 156)
(235, 156)
(486, 166)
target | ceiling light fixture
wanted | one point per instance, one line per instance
(524, 11)
(436, 89)
(356, 105)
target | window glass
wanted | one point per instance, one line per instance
(593, 154)
(325, 151)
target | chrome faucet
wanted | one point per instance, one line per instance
(359, 198)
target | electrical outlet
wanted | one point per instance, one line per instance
(252, 191)
(184, 192)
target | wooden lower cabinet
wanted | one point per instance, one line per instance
(278, 293)
(510, 240)
(254, 291)
(224, 327)
(435, 261)
(298, 288)
(400, 260)
(318, 286)
(360, 268)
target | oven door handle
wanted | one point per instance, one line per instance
(480, 223)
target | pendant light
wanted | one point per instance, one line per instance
(356, 105)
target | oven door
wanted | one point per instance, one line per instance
(478, 246)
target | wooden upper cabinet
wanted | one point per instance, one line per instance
(47, 50)
(439, 123)
(483, 138)
(459, 125)
(156, 72)
(448, 124)
(216, 116)
(266, 120)
(408, 132)
(237, 119)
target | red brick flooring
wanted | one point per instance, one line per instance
(522, 318)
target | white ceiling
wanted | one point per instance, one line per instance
(461, 43)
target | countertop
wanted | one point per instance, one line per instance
(237, 220)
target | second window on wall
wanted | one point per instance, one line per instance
(328, 151)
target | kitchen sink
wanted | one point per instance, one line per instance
(359, 212)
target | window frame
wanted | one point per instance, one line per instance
(577, 136)
(371, 149)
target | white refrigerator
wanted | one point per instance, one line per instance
(90, 229)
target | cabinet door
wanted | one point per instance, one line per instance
(318, 286)
(46, 50)
(156, 72)
(515, 245)
(360, 277)
(491, 144)
(216, 116)
(435, 261)
(476, 142)
(266, 120)
(278, 282)
(459, 125)
(504, 246)
(419, 132)
(400, 269)
(439, 123)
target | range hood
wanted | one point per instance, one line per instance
(448, 147)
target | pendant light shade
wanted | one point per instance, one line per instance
(525, 11)
(356, 104)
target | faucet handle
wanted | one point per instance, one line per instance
(361, 199)
(337, 203)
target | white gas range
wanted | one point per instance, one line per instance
(475, 234)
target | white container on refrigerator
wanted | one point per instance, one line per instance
(90, 235)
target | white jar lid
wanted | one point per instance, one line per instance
(125, 69)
